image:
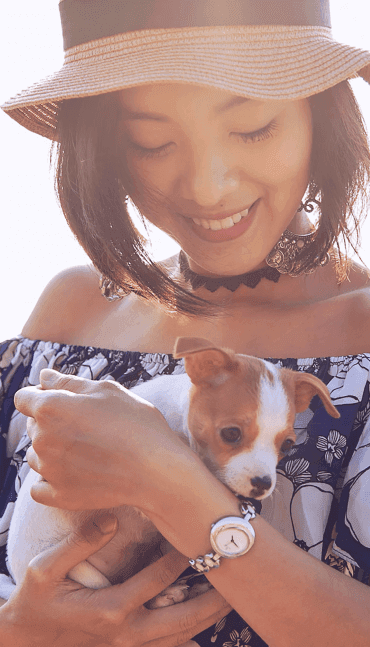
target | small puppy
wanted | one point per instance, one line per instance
(237, 412)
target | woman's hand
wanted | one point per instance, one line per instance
(97, 445)
(49, 609)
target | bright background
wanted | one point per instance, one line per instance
(35, 240)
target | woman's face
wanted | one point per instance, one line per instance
(215, 155)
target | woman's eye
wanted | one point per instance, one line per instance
(160, 151)
(231, 434)
(287, 446)
(259, 135)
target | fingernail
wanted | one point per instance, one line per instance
(106, 523)
(47, 377)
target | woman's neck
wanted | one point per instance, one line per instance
(286, 290)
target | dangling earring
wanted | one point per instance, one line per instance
(286, 255)
(110, 290)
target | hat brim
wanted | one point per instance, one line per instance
(259, 62)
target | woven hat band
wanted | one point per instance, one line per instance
(87, 20)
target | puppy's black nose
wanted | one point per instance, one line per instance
(260, 485)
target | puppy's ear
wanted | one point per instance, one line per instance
(306, 387)
(204, 362)
(186, 345)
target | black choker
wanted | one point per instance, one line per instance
(250, 279)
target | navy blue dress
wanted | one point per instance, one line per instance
(322, 498)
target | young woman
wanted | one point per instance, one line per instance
(226, 124)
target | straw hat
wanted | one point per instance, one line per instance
(262, 49)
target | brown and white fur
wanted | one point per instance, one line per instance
(237, 412)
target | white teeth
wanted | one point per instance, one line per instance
(236, 218)
(226, 223)
(215, 225)
(230, 222)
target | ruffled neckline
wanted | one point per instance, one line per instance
(301, 361)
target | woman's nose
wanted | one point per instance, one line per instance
(208, 179)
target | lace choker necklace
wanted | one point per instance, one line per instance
(250, 279)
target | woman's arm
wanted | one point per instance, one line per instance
(48, 609)
(42, 605)
(287, 596)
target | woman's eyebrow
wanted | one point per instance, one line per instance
(129, 114)
(232, 103)
(133, 115)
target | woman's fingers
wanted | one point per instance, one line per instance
(50, 379)
(165, 627)
(87, 444)
(31, 458)
(41, 491)
(55, 563)
(188, 618)
(25, 400)
(32, 399)
(182, 638)
(151, 580)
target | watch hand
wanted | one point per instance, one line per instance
(231, 542)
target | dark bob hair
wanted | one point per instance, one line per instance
(93, 187)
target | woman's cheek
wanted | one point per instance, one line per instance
(288, 160)
(287, 156)
(157, 173)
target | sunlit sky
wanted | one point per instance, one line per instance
(35, 240)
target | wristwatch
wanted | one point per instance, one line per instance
(230, 537)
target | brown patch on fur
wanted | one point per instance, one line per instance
(186, 345)
(208, 365)
(225, 392)
(235, 402)
(302, 387)
(286, 433)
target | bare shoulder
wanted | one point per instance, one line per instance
(361, 302)
(358, 310)
(357, 289)
(358, 277)
(71, 297)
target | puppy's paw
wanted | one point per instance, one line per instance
(171, 595)
(198, 588)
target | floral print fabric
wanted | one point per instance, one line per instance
(322, 498)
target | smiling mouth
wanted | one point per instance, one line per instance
(226, 223)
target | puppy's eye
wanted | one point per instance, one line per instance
(287, 445)
(231, 434)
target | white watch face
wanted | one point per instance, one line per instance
(232, 541)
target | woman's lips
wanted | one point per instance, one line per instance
(222, 222)
(224, 234)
